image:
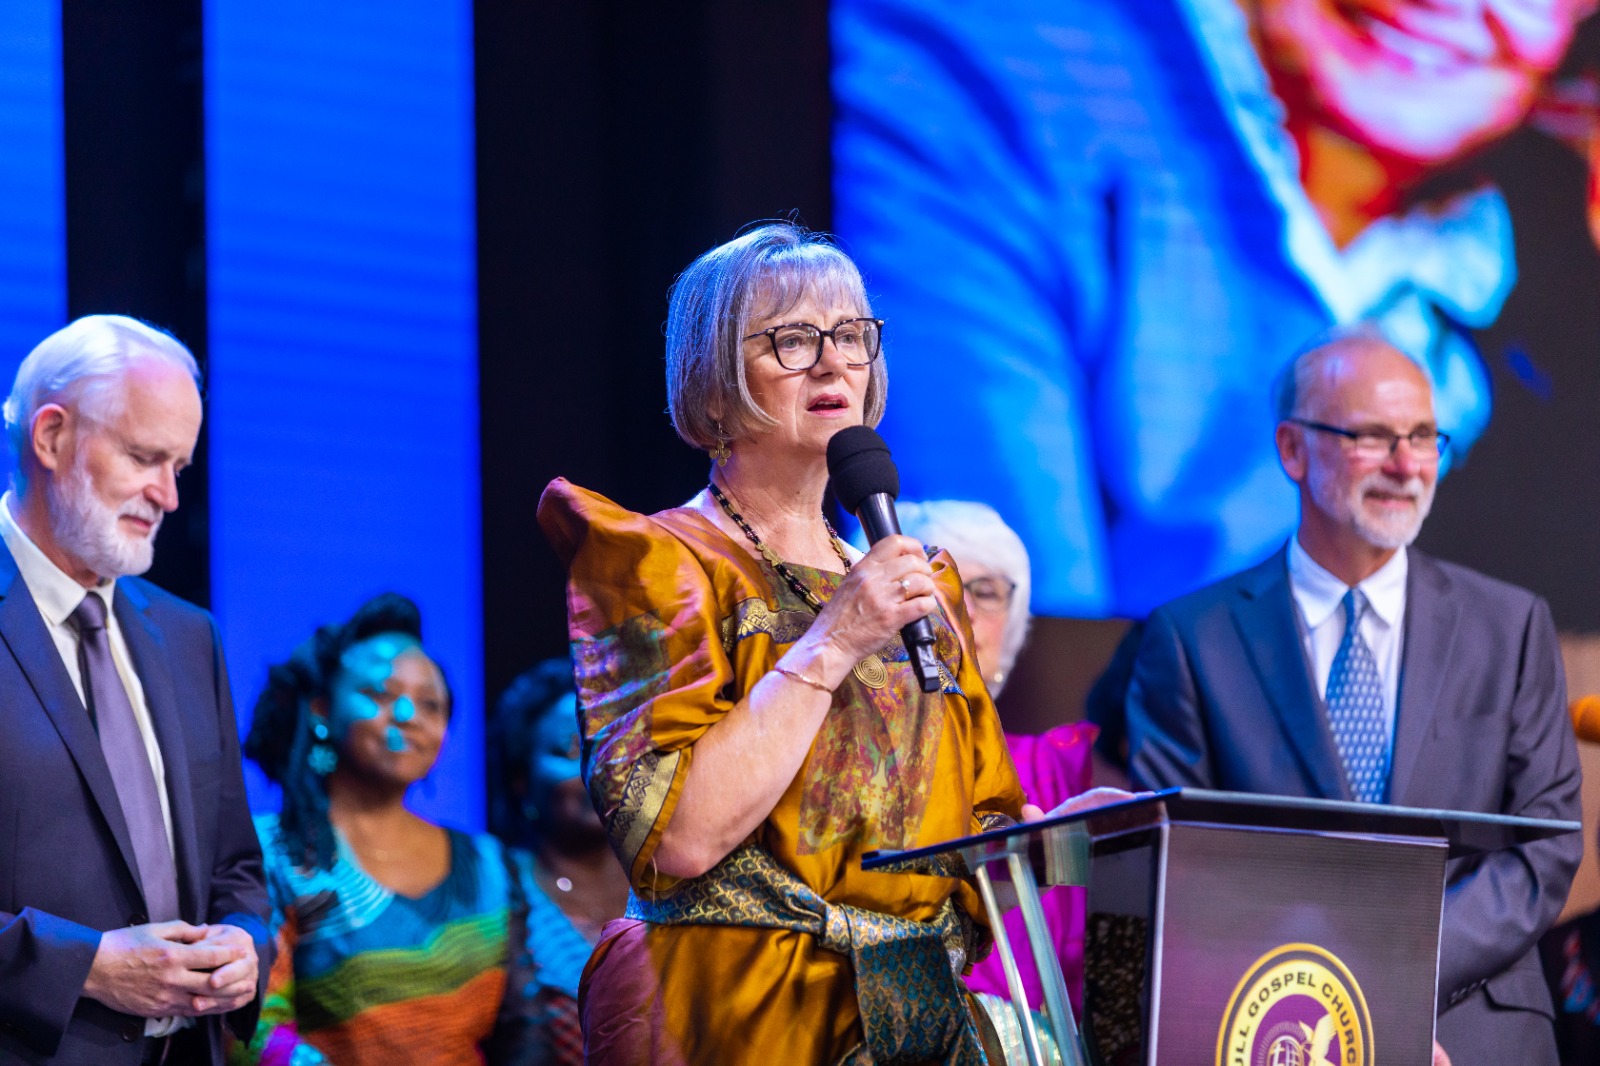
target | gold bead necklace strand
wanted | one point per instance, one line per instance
(870, 671)
(789, 576)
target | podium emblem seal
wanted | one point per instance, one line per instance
(1298, 1005)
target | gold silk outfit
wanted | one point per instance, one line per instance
(759, 960)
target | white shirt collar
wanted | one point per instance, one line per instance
(54, 591)
(1319, 593)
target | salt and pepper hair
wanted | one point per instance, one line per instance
(761, 274)
(75, 367)
(1296, 379)
(975, 535)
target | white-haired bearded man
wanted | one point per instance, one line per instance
(132, 907)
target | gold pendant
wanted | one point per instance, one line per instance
(871, 672)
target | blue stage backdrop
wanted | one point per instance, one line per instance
(33, 263)
(343, 352)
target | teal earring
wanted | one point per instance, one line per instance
(322, 758)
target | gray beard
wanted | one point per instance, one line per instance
(86, 529)
(1390, 535)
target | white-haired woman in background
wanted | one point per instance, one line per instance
(994, 575)
(995, 584)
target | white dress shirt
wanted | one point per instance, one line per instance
(57, 595)
(1318, 598)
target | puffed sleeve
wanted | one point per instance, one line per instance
(652, 674)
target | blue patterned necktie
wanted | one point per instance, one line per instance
(1355, 708)
(131, 772)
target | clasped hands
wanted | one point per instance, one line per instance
(174, 969)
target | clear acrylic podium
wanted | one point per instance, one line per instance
(1226, 927)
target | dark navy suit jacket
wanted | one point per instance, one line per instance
(1222, 697)
(66, 861)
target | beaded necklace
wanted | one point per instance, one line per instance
(789, 576)
(870, 670)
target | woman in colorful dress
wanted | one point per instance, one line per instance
(751, 722)
(394, 934)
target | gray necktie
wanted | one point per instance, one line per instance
(125, 754)
(1355, 708)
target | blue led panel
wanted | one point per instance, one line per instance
(33, 227)
(343, 348)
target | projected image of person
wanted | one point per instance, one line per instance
(1114, 222)
(538, 805)
(751, 722)
(395, 936)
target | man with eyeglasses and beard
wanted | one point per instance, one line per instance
(1348, 666)
(132, 906)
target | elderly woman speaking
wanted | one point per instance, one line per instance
(751, 722)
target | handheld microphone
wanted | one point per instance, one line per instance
(1586, 718)
(866, 482)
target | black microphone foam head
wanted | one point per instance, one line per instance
(859, 465)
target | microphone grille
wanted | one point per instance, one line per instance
(859, 466)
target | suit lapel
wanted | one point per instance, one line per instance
(26, 636)
(1430, 634)
(1265, 616)
(148, 649)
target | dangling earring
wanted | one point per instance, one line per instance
(322, 758)
(720, 453)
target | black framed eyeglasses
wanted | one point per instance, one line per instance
(1379, 444)
(989, 594)
(798, 345)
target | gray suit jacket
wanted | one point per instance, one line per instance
(66, 866)
(1222, 697)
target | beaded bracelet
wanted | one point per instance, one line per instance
(803, 679)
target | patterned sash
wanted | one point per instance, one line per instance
(913, 1009)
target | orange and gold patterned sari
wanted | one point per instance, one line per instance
(672, 623)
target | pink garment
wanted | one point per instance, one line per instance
(1053, 768)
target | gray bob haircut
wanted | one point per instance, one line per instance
(1294, 379)
(759, 274)
(975, 534)
(73, 365)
